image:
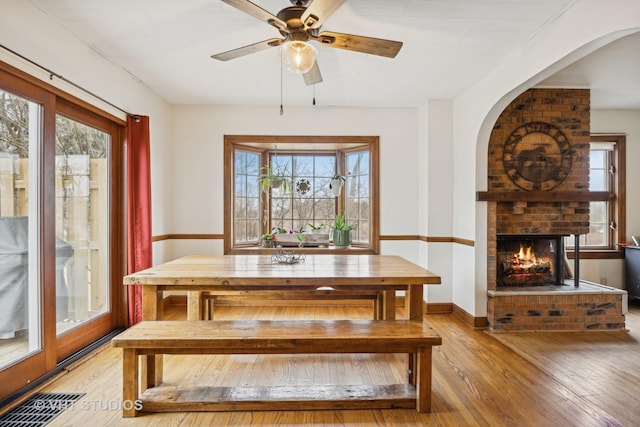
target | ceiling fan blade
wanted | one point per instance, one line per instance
(318, 12)
(257, 12)
(247, 50)
(380, 47)
(312, 76)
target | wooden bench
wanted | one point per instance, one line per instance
(207, 300)
(277, 337)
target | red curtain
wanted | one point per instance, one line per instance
(138, 208)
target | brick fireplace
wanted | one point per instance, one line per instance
(538, 193)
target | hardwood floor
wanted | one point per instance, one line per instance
(479, 379)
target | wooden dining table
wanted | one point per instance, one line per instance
(199, 273)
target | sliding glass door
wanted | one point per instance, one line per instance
(61, 210)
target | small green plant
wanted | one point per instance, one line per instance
(300, 237)
(340, 223)
(268, 240)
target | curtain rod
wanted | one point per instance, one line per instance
(53, 74)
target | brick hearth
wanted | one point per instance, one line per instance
(557, 308)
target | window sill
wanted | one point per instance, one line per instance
(597, 254)
(259, 250)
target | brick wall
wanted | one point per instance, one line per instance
(565, 109)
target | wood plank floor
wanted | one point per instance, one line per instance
(479, 379)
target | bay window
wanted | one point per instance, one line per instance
(307, 170)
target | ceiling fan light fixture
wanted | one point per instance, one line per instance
(298, 56)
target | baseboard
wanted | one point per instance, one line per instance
(469, 320)
(438, 307)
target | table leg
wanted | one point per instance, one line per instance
(151, 366)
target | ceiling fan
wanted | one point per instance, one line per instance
(299, 24)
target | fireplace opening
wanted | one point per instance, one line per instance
(530, 260)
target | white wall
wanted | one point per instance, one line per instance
(439, 171)
(197, 151)
(34, 35)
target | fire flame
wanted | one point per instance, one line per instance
(525, 257)
(526, 254)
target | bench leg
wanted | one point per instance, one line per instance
(411, 368)
(423, 379)
(209, 307)
(377, 307)
(129, 382)
(194, 305)
(151, 369)
(389, 305)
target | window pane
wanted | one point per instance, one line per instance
(82, 223)
(240, 185)
(325, 166)
(357, 194)
(240, 231)
(240, 208)
(597, 180)
(599, 170)
(596, 159)
(247, 197)
(598, 213)
(253, 208)
(596, 236)
(19, 233)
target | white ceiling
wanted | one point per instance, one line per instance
(448, 46)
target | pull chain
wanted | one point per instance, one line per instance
(281, 107)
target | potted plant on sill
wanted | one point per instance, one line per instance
(341, 232)
(268, 240)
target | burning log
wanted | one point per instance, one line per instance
(510, 267)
